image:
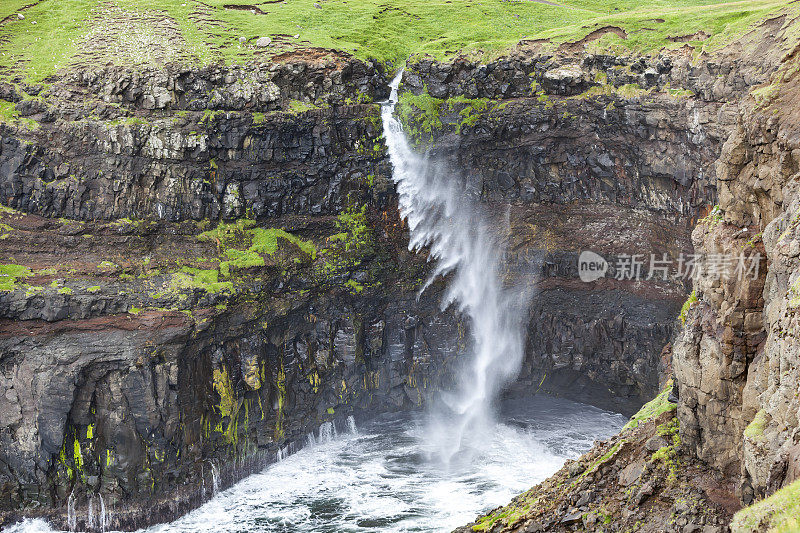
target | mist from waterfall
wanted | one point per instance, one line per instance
(444, 215)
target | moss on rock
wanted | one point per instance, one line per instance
(10, 274)
(653, 408)
(755, 430)
(686, 306)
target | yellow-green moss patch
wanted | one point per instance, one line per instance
(755, 430)
(653, 408)
(686, 306)
(10, 274)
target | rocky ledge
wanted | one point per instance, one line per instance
(638, 480)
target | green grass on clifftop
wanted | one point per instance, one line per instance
(9, 7)
(60, 33)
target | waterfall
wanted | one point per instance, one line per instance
(282, 454)
(443, 215)
(351, 425)
(90, 514)
(214, 477)
(311, 440)
(327, 432)
(72, 518)
(104, 522)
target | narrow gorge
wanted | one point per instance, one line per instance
(399, 266)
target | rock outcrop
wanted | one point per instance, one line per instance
(736, 361)
(635, 481)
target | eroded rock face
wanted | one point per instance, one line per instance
(607, 154)
(737, 360)
(225, 143)
(599, 341)
(140, 409)
(220, 167)
(568, 74)
(715, 348)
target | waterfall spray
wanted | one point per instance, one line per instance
(443, 215)
(327, 432)
(311, 440)
(351, 425)
(214, 477)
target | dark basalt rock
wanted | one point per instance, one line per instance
(181, 143)
(137, 409)
(225, 168)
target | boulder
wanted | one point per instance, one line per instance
(631, 473)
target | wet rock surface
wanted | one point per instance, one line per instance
(137, 409)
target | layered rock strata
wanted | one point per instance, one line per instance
(608, 154)
(201, 268)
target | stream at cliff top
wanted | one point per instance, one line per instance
(380, 478)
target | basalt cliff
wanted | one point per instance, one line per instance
(201, 265)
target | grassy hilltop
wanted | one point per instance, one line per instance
(60, 33)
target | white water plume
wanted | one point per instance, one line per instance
(443, 215)
(214, 477)
(90, 514)
(351, 425)
(72, 517)
(104, 518)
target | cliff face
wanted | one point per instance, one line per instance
(736, 362)
(222, 284)
(581, 152)
(180, 144)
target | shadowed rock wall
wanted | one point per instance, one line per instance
(609, 154)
